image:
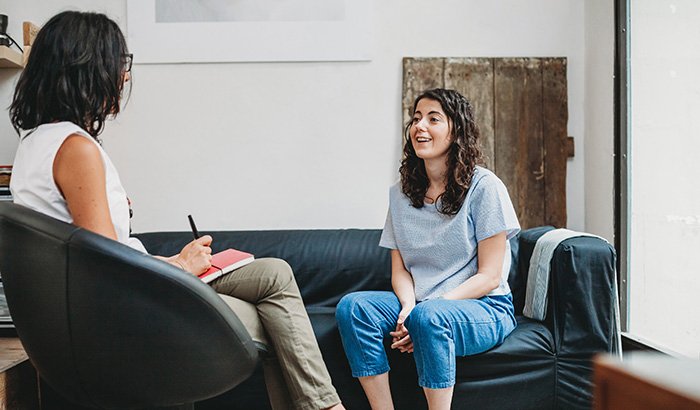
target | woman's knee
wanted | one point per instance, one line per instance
(425, 318)
(278, 271)
(349, 306)
(345, 307)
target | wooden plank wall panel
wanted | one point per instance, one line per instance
(521, 109)
(419, 75)
(526, 146)
(556, 115)
(507, 87)
(534, 134)
(473, 78)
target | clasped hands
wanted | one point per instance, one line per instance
(401, 339)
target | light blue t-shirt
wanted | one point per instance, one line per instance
(440, 251)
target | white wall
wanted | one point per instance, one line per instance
(304, 145)
(599, 118)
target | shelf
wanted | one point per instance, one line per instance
(10, 58)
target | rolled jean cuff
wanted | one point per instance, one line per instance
(437, 385)
(371, 372)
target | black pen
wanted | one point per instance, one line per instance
(194, 227)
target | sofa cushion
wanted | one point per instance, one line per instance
(518, 374)
(528, 349)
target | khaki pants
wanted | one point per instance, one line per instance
(295, 374)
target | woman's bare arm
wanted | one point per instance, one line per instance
(490, 253)
(79, 174)
(80, 177)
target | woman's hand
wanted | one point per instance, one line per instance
(401, 338)
(402, 282)
(195, 257)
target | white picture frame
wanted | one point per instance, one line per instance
(344, 38)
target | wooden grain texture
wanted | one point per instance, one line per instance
(507, 105)
(419, 75)
(473, 78)
(621, 387)
(11, 353)
(556, 114)
(519, 140)
(29, 32)
(18, 379)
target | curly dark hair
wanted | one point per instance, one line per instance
(75, 72)
(463, 156)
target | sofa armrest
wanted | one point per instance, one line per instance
(583, 296)
(581, 308)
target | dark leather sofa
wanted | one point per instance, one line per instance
(541, 365)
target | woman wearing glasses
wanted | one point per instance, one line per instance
(73, 81)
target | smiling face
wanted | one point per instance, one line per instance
(430, 131)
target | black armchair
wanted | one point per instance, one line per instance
(109, 327)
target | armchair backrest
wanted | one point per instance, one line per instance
(110, 327)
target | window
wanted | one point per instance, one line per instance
(659, 168)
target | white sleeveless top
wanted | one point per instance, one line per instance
(32, 184)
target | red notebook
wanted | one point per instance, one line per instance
(225, 262)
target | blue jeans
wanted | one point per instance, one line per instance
(440, 330)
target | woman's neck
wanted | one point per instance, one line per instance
(437, 172)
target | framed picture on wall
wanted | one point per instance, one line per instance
(210, 31)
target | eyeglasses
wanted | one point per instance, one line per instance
(128, 61)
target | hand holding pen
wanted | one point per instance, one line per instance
(195, 232)
(196, 255)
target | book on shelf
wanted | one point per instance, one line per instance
(5, 174)
(225, 262)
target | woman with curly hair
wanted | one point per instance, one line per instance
(448, 227)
